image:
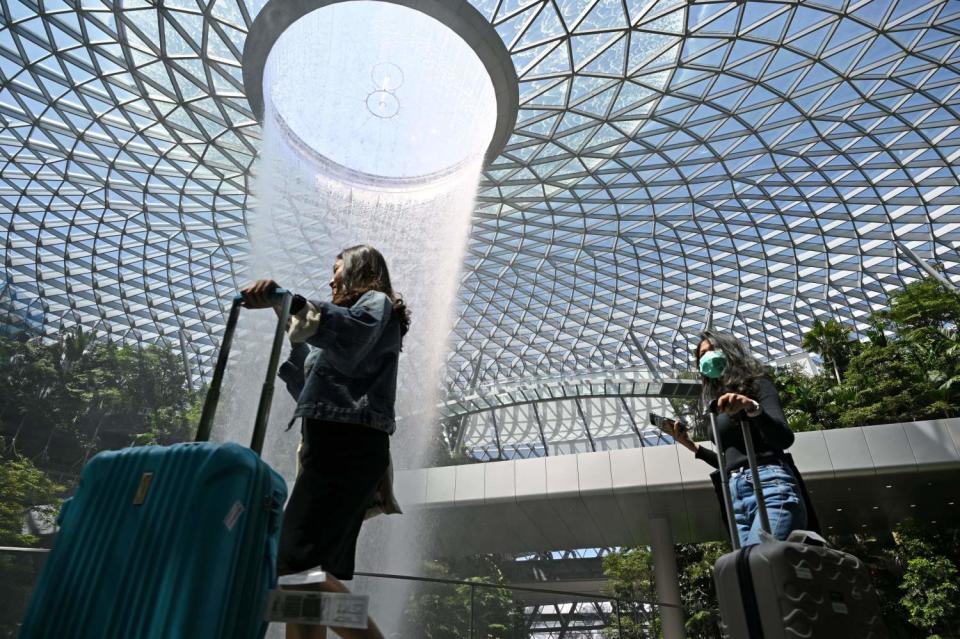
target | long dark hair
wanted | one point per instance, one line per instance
(739, 373)
(364, 270)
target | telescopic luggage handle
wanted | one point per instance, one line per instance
(725, 481)
(266, 395)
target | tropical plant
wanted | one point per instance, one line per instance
(907, 369)
(65, 400)
(698, 589)
(629, 573)
(25, 489)
(452, 611)
(928, 558)
(831, 341)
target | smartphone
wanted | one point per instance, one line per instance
(663, 423)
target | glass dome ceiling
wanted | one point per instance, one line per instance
(753, 164)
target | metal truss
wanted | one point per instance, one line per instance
(570, 620)
(576, 386)
(567, 414)
(753, 165)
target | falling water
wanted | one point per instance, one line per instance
(308, 209)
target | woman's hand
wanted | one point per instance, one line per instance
(733, 403)
(260, 294)
(679, 433)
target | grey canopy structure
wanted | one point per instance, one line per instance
(751, 165)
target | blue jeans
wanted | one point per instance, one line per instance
(785, 506)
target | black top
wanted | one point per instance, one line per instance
(771, 434)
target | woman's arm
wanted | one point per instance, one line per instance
(346, 335)
(707, 455)
(291, 371)
(681, 436)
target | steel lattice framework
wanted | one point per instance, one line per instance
(751, 164)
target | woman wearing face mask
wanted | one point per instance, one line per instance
(736, 380)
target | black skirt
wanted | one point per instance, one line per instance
(341, 466)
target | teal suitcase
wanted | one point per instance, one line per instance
(168, 542)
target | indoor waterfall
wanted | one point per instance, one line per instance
(375, 144)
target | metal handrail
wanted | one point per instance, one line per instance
(494, 586)
(438, 580)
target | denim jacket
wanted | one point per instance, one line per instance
(346, 369)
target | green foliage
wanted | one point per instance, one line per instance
(924, 304)
(697, 587)
(629, 574)
(830, 340)
(809, 402)
(23, 487)
(907, 369)
(912, 373)
(443, 611)
(65, 400)
(930, 586)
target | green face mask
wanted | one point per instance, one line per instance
(712, 364)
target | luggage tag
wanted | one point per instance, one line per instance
(318, 608)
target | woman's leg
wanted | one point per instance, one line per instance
(785, 507)
(744, 506)
(342, 465)
(311, 631)
(304, 631)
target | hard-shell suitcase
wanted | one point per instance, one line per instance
(168, 542)
(790, 589)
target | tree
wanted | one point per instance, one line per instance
(808, 400)
(629, 573)
(66, 400)
(63, 401)
(698, 589)
(907, 369)
(887, 386)
(831, 341)
(930, 583)
(924, 304)
(24, 488)
(448, 611)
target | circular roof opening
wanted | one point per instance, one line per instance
(381, 90)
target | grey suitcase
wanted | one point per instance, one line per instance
(790, 589)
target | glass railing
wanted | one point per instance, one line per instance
(19, 571)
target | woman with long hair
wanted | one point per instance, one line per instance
(742, 390)
(342, 370)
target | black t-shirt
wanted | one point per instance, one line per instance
(771, 434)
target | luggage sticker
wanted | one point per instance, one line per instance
(803, 572)
(233, 515)
(141, 495)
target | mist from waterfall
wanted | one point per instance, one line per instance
(309, 208)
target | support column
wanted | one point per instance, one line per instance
(667, 578)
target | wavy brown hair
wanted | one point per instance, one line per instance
(739, 373)
(364, 270)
